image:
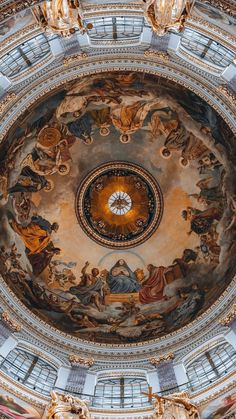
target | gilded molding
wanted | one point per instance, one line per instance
(78, 360)
(6, 101)
(229, 317)
(11, 324)
(161, 359)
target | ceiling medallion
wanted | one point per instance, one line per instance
(119, 205)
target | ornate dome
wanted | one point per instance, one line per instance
(117, 176)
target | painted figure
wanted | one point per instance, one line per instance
(121, 279)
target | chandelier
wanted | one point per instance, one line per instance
(61, 16)
(164, 15)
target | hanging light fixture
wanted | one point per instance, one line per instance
(165, 15)
(61, 16)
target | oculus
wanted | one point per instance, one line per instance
(119, 205)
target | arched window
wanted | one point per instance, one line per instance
(24, 56)
(206, 49)
(211, 365)
(121, 393)
(29, 370)
(116, 28)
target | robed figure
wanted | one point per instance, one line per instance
(121, 279)
(153, 288)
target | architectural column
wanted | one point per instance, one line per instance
(230, 322)
(174, 42)
(84, 40)
(90, 383)
(153, 381)
(5, 83)
(78, 373)
(56, 47)
(229, 73)
(62, 377)
(181, 375)
(165, 371)
(7, 328)
(9, 344)
(146, 36)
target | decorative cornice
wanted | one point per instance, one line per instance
(11, 324)
(6, 101)
(78, 360)
(230, 317)
(161, 359)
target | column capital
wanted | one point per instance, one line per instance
(225, 321)
(77, 360)
(163, 358)
(6, 100)
(11, 324)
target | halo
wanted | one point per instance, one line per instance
(106, 133)
(88, 141)
(128, 139)
(67, 169)
(49, 136)
(161, 153)
(181, 159)
(51, 187)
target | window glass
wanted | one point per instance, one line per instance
(206, 48)
(24, 56)
(211, 365)
(28, 369)
(112, 28)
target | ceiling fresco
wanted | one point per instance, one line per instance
(110, 155)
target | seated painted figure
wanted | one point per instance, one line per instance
(121, 279)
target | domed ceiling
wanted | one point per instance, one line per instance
(117, 211)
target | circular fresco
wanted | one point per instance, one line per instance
(91, 261)
(119, 205)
